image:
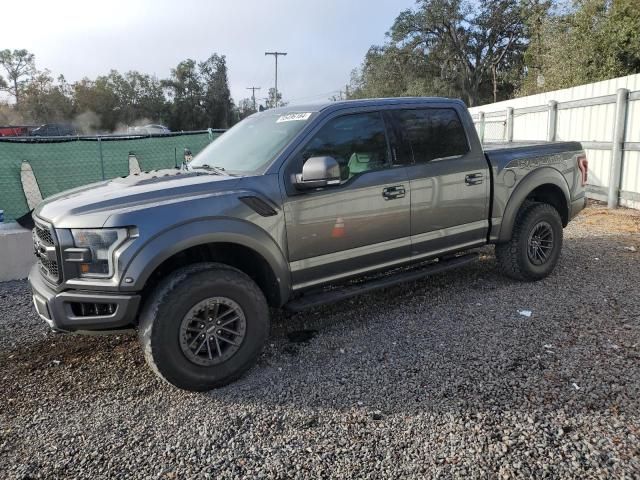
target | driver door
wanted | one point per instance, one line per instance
(359, 225)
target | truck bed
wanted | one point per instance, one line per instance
(500, 154)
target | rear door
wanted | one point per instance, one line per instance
(450, 183)
(360, 224)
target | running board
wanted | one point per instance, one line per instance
(316, 299)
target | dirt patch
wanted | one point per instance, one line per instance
(600, 219)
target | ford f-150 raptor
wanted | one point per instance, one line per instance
(294, 207)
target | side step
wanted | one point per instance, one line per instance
(315, 299)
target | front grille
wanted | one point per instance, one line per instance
(43, 237)
(50, 268)
(44, 234)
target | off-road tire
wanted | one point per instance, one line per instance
(164, 310)
(512, 256)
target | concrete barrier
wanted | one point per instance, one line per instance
(16, 252)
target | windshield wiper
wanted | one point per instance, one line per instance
(214, 169)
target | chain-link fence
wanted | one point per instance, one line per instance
(494, 130)
(61, 163)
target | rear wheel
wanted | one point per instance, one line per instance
(204, 326)
(535, 245)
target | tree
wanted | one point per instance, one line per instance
(449, 47)
(270, 101)
(195, 96)
(217, 96)
(186, 92)
(45, 101)
(592, 41)
(19, 66)
(9, 115)
(534, 56)
(621, 37)
(122, 100)
(97, 97)
(390, 71)
(470, 42)
(140, 97)
(245, 108)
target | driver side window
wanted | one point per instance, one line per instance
(357, 142)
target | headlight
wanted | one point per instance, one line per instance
(102, 242)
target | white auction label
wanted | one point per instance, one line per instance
(293, 117)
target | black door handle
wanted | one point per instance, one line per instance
(390, 193)
(473, 179)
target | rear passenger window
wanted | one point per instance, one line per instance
(431, 133)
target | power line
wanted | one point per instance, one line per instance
(326, 94)
(253, 95)
(276, 55)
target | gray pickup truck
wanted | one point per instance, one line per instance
(292, 208)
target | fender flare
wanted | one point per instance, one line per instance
(537, 178)
(200, 232)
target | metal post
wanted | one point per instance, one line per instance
(619, 127)
(276, 54)
(481, 129)
(253, 96)
(552, 121)
(101, 158)
(509, 124)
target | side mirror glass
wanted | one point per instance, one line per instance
(318, 172)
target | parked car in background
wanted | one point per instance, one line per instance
(15, 130)
(54, 130)
(149, 130)
(287, 209)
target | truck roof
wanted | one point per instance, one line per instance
(366, 102)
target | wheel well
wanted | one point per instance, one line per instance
(234, 255)
(554, 196)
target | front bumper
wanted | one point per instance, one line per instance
(55, 308)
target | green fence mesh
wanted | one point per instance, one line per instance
(60, 164)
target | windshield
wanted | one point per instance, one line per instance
(252, 144)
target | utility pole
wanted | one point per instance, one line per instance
(276, 54)
(253, 96)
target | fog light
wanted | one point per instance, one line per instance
(85, 309)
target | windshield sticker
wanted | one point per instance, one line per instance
(293, 117)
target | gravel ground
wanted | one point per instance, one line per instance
(442, 378)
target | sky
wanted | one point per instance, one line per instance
(324, 40)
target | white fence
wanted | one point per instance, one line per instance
(604, 116)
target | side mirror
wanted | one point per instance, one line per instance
(318, 172)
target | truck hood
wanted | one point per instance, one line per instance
(90, 206)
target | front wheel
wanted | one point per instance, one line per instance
(535, 245)
(204, 326)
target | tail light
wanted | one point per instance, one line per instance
(583, 165)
